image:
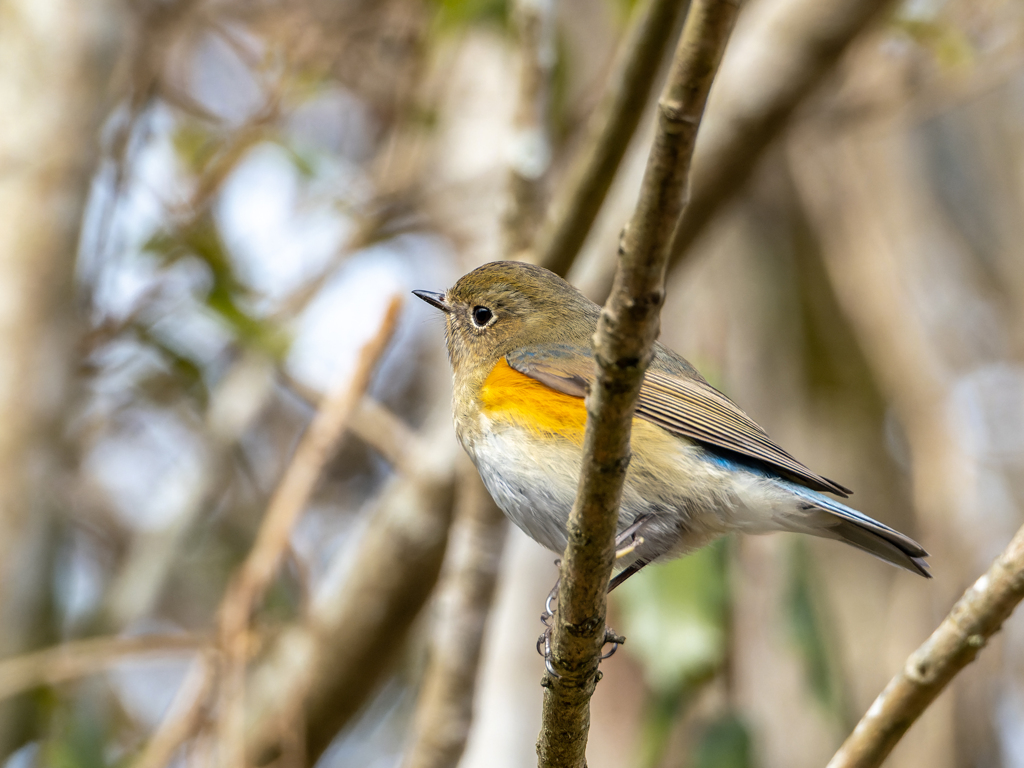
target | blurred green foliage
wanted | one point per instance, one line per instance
(453, 15)
(675, 616)
(808, 628)
(227, 297)
(725, 743)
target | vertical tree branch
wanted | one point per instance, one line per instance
(608, 135)
(956, 643)
(530, 156)
(56, 59)
(626, 332)
(445, 710)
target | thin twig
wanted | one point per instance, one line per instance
(623, 344)
(70, 661)
(286, 505)
(805, 43)
(609, 133)
(956, 643)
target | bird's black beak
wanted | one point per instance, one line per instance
(434, 299)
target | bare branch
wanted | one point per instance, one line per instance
(184, 717)
(445, 709)
(956, 643)
(73, 660)
(804, 43)
(608, 135)
(288, 502)
(286, 505)
(530, 156)
(623, 344)
(811, 43)
(326, 666)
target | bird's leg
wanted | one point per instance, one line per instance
(544, 641)
(627, 541)
(545, 618)
(625, 544)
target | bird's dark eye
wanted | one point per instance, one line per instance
(482, 316)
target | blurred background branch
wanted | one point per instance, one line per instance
(57, 59)
(288, 502)
(609, 131)
(800, 43)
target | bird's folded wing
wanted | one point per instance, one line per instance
(682, 405)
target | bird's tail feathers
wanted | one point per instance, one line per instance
(828, 518)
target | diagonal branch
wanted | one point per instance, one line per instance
(290, 499)
(802, 45)
(608, 135)
(623, 345)
(956, 643)
(811, 41)
(324, 668)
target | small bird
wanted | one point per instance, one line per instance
(519, 343)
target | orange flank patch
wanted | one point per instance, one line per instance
(508, 395)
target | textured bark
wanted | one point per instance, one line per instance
(623, 344)
(977, 616)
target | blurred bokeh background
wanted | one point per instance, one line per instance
(206, 208)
